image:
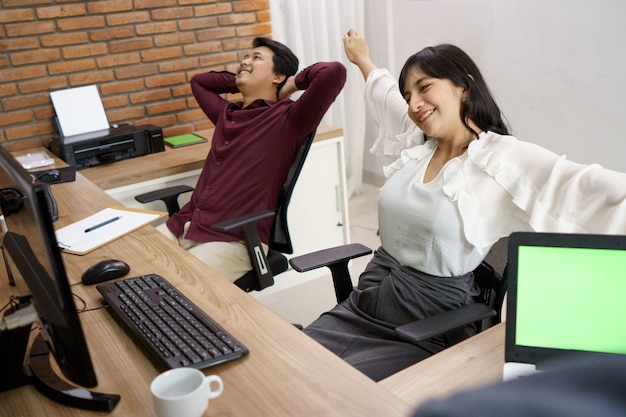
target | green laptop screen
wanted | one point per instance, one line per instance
(571, 298)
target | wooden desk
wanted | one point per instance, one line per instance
(170, 162)
(472, 363)
(285, 374)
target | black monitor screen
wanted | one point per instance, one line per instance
(31, 244)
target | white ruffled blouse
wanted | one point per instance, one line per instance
(500, 185)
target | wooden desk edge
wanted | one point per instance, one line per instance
(473, 363)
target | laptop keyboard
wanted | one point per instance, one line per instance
(174, 329)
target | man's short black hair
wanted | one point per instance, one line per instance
(285, 61)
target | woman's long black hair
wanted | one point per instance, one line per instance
(450, 62)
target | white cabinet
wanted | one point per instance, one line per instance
(318, 219)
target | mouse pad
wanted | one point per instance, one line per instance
(65, 174)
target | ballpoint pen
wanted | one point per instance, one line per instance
(99, 225)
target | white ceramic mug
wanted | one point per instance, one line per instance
(184, 392)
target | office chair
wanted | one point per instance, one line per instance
(264, 266)
(490, 276)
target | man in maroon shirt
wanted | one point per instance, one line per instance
(254, 145)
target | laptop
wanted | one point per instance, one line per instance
(566, 300)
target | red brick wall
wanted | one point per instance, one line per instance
(140, 53)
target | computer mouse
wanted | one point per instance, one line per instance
(105, 271)
(52, 175)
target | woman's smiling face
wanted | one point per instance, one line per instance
(434, 105)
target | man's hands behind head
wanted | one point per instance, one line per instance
(288, 88)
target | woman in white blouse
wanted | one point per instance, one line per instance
(459, 182)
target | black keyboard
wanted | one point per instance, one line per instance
(171, 326)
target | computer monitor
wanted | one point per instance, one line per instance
(31, 244)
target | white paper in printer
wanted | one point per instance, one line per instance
(79, 110)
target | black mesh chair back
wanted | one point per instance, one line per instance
(491, 278)
(280, 240)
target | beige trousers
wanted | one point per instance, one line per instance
(229, 259)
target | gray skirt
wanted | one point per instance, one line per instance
(361, 329)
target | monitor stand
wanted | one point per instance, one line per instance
(39, 372)
(6, 264)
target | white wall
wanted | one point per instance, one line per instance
(556, 67)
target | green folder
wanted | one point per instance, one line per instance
(184, 140)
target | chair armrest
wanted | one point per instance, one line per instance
(258, 259)
(169, 195)
(241, 221)
(327, 257)
(442, 323)
(336, 259)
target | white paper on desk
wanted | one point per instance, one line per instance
(79, 110)
(74, 239)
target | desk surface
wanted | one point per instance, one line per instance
(285, 374)
(170, 162)
(472, 363)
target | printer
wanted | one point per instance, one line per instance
(108, 145)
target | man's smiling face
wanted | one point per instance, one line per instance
(256, 68)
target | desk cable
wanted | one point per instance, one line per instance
(84, 308)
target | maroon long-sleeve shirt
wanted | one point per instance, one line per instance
(252, 149)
